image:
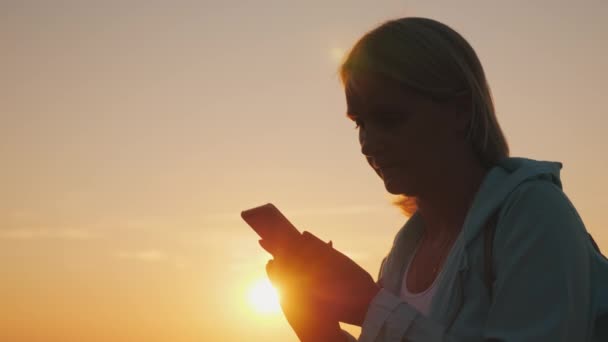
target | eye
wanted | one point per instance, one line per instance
(391, 120)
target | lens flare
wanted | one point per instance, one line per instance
(264, 298)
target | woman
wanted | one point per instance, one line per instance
(493, 250)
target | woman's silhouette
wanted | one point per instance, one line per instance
(419, 98)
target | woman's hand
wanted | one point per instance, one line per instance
(307, 316)
(339, 287)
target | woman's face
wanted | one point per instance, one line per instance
(407, 138)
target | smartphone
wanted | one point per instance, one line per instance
(271, 225)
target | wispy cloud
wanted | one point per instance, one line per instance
(146, 255)
(257, 260)
(339, 210)
(312, 211)
(153, 256)
(47, 233)
(141, 223)
(357, 255)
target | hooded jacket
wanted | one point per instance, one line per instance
(550, 282)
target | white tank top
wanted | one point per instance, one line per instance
(422, 300)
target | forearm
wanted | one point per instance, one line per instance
(323, 333)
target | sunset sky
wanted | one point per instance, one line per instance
(133, 134)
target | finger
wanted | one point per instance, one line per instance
(272, 272)
(273, 269)
(266, 245)
(269, 267)
(315, 247)
(312, 239)
(308, 236)
(309, 241)
(283, 277)
(280, 269)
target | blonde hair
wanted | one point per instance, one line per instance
(433, 59)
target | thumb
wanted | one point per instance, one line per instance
(272, 272)
(278, 275)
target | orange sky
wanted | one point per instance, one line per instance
(133, 135)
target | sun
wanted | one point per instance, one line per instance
(264, 298)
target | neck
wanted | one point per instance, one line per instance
(444, 207)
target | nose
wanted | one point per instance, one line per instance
(370, 148)
(371, 144)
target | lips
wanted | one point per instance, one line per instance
(381, 164)
(384, 166)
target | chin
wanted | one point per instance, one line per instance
(398, 188)
(393, 187)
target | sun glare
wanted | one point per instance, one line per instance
(264, 298)
(337, 54)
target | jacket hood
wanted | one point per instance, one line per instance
(498, 184)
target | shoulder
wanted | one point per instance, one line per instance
(538, 215)
(539, 200)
